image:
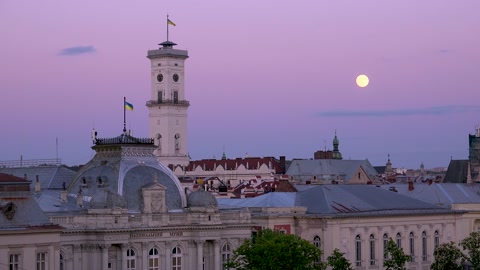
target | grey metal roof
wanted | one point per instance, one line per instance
(27, 213)
(201, 198)
(272, 199)
(443, 194)
(328, 168)
(51, 177)
(339, 200)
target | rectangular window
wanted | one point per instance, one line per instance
(175, 97)
(159, 97)
(14, 261)
(385, 245)
(41, 261)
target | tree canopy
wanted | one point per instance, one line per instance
(471, 245)
(395, 257)
(271, 250)
(447, 256)
(338, 261)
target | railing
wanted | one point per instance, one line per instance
(174, 102)
(124, 140)
(30, 163)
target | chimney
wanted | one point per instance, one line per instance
(282, 164)
(410, 186)
(37, 186)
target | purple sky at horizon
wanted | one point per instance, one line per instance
(266, 78)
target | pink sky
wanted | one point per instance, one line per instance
(269, 78)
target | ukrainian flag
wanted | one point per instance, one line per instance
(170, 22)
(128, 106)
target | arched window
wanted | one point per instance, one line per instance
(153, 259)
(130, 259)
(424, 246)
(358, 250)
(399, 240)
(159, 141)
(436, 239)
(226, 252)
(176, 258)
(385, 245)
(62, 261)
(318, 243)
(372, 249)
(177, 142)
(411, 240)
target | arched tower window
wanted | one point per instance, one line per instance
(317, 242)
(158, 138)
(358, 250)
(177, 142)
(153, 259)
(176, 258)
(436, 239)
(226, 253)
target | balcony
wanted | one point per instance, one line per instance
(170, 102)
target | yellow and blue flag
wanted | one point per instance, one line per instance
(170, 22)
(128, 106)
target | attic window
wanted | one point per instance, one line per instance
(159, 64)
(176, 64)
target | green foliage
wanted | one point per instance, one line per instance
(471, 244)
(396, 258)
(447, 256)
(338, 262)
(272, 250)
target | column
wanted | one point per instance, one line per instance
(105, 256)
(168, 255)
(145, 255)
(217, 259)
(125, 247)
(199, 253)
(77, 257)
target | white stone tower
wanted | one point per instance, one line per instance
(167, 105)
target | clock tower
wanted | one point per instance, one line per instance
(167, 107)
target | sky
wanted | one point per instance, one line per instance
(264, 78)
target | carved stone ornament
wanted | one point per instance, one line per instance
(8, 209)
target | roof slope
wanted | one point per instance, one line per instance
(50, 177)
(444, 194)
(328, 169)
(456, 172)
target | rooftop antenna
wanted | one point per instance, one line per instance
(56, 150)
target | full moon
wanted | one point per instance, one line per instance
(362, 80)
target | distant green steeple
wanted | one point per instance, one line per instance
(336, 152)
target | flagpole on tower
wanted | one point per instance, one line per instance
(124, 115)
(167, 27)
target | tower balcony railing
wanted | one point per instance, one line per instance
(173, 102)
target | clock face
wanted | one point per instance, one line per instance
(160, 77)
(175, 77)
